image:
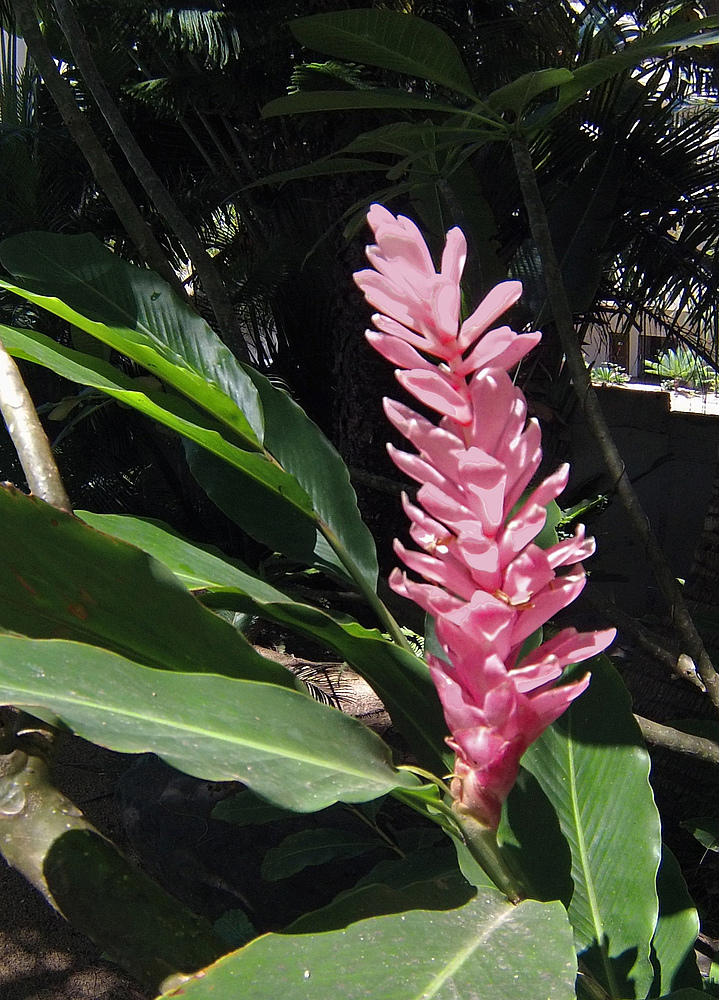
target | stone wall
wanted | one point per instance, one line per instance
(671, 457)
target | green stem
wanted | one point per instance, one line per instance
(384, 615)
(420, 771)
(374, 827)
(482, 844)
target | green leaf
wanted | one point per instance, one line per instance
(236, 928)
(403, 138)
(593, 767)
(515, 96)
(61, 579)
(399, 678)
(529, 830)
(390, 40)
(488, 949)
(548, 535)
(374, 900)
(320, 168)
(135, 312)
(303, 451)
(276, 511)
(355, 100)
(700, 32)
(268, 517)
(676, 931)
(427, 864)
(314, 847)
(477, 221)
(706, 831)
(286, 747)
(247, 809)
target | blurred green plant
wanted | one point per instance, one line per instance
(681, 367)
(609, 373)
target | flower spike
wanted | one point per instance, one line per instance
(488, 585)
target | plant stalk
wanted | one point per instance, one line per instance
(596, 420)
(28, 436)
(482, 844)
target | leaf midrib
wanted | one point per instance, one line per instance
(189, 728)
(597, 922)
(462, 955)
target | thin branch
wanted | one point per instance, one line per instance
(28, 436)
(674, 739)
(680, 664)
(596, 420)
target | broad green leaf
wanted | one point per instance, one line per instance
(277, 511)
(401, 138)
(445, 893)
(285, 746)
(529, 830)
(488, 949)
(314, 847)
(593, 767)
(484, 269)
(320, 168)
(199, 568)
(61, 579)
(515, 96)
(676, 931)
(303, 450)
(429, 863)
(247, 809)
(706, 831)
(135, 312)
(267, 518)
(388, 39)
(399, 678)
(355, 100)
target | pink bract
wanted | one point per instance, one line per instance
(488, 586)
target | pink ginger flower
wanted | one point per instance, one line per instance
(489, 587)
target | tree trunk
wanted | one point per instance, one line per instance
(82, 132)
(161, 198)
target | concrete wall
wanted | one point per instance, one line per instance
(672, 458)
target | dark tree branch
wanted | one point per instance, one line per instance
(674, 739)
(597, 422)
(151, 182)
(82, 132)
(83, 875)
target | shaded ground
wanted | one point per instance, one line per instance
(41, 956)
